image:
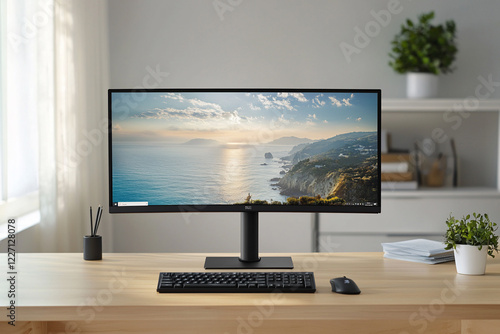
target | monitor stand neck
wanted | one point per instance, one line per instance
(249, 256)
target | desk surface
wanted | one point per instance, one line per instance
(62, 287)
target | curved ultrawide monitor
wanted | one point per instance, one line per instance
(238, 150)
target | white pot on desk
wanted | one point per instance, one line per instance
(469, 260)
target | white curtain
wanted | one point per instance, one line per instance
(73, 126)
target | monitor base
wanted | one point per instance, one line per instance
(235, 263)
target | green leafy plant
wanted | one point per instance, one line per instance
(423, 47)
(476, 231)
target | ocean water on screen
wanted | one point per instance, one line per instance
(176, 174)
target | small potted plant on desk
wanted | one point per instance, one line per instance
(423, 51)
(473, 239)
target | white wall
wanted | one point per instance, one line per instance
(208, 232)
(287, 43)
(273, 43)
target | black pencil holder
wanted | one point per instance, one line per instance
(92, 247)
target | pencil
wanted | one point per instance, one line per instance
(91, 225)
(98, 219)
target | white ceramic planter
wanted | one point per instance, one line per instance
(469, 260)
(421, 85)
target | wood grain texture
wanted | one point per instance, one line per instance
(481, 326)
(257, 325)
(57, 290)
(24, 327)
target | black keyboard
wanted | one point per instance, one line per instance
(236, 282)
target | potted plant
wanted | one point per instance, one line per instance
(423, 51)
(473, 239)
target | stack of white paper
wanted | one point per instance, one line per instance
(418, 250)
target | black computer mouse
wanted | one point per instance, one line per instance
(344, 285)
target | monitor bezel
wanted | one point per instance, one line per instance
(241, 207)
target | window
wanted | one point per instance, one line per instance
(24, 31)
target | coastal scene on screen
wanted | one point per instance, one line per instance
(270, 148)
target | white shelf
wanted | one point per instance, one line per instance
(422, 213)
(443, 193)
(440, 105)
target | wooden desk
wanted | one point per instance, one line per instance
(62, 293)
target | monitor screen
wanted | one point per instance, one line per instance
(236, 150)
